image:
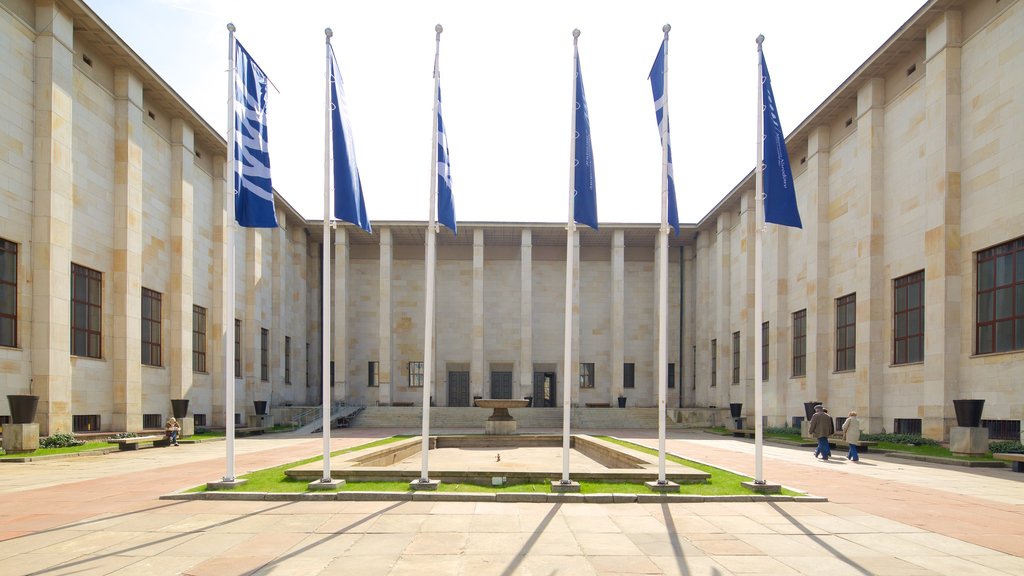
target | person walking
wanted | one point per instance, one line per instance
(851, 433)
(172, 431)
(821, 427)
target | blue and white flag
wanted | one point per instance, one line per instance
(254, 194)
(445, 199)
(657, 78)
(348, 189)
(779, 191)
(584, 189)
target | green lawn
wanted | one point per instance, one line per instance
(87, 447)
(275, 480)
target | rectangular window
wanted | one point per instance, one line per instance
(846, 333)
(287, 359)
(1000, 298)
(86, 311)
(671, 375)
(415, 374)
(238, 348)
(800, 343)
(693, 368)
(8, 293)
(199, 420)
(908, 319)
(586, 374)
(628, 375)
(264, 354)
(85, 422)
(152, 312)
(735, 357)
(374, 377)
(1002, 429)
(764, 351)
(906, 426)
(152, 421)
(198, 339)
(714, 362)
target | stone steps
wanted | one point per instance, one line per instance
(444, 417)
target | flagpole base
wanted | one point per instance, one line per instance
(225, 484)
(325, 484)
(564, 487)
(424, 484)
(667, 486)
(762, 487)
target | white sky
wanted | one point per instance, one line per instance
(506, 79)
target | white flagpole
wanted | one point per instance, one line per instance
(756, 324)
(325, 367)
(663, 275)
(229, 315)
(428, 330)
(570, 257)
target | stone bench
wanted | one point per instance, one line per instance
(136, 442)
(402, 404)
(1016, 459)
(249, 430)
(743, 433)
(862, 445)
(598, 405)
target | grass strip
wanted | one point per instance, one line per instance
(87, 447)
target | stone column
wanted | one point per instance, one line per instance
(300, 289)
(526, 314)
(574, 386)
(340, 325)
(618, 336)
(872, 350)
(721, 300)
(126, 355)
(477, 370)
(747, 322)
(780, 334)
(179, 360)
(222, 313)
(820, 309)
(252, 322)
(685, 375)
(384, 316)
(52, 210)
(943, 275)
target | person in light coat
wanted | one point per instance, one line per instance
(851, 433)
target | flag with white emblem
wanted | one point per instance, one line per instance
(254, 193)
(657, 78)
(445, 199)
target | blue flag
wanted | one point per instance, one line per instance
(657, 78)
(254, 194)
(445, 199)
(584, 191)
(779, 192)
(348, 189)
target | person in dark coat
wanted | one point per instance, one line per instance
(821, 427)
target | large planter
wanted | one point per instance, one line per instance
(23, 407)
(179, 408)
(968, 412)
(260, 406)
(622, 401)
(735, 409)
(809, 409)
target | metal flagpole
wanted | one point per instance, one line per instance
(229, 297)
(756, 324)
(325, 366)
(570, 257)
(428, 331)
(663, 275)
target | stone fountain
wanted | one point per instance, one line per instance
(500, 422)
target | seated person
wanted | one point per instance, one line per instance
(172, 430)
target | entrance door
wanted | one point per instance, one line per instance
(544, 390)
(458, 389)
(501, 385)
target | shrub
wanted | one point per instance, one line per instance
(60, 440)
(123, 435)
(912, 439)
(1006, 446)
(787, 430)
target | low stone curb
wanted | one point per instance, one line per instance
(949, 461)
(96, 452)
(535, 497)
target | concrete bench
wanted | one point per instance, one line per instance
(862, 445)
(1016, 459)
(135, 442)
(598, 405)
(249, 430)
(743, 433)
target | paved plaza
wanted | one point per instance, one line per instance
(103, 515)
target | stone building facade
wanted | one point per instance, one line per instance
(903, 291)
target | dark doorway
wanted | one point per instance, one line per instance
(544, 390)
(501, 385)
(458, 389)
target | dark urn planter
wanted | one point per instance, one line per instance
(809, 409)
(735, 408)
(179, 408)
(622, 401)
(23, 408)
(261, 407)
(968, 412)
(530, 400)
